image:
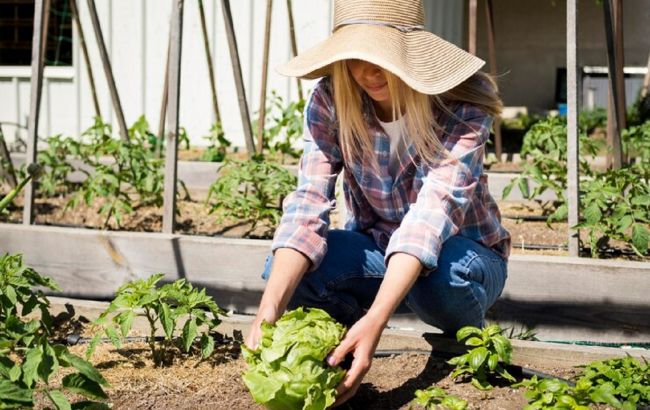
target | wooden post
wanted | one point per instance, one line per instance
(573, 187)
(171, 153)
(471, 37)
(6, 166)
(239, 81)
(108, 71)
(163, 104)
(294, 44)
(208, 57)
(492, 56)
(84, 49)
(265, 72)
(615, 118)
(41, 17)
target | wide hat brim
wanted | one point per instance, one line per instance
(421, 59)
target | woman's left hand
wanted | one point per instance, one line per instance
(361, 340)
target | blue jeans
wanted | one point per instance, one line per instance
(468, 280)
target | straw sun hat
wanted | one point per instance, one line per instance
(390, 34)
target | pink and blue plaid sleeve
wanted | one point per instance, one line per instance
(446, 189)
(305, 218)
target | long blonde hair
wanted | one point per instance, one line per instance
(420, 124)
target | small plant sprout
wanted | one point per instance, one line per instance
(490, 350)
(623, 383)
(28, 360)
(218, 148)
(554, 394)
(434, 398)
(163, 307)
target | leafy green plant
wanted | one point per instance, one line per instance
(490, 349)
(545, 145)
(163, 307)
(636, 142)
(555, 394)
(218, 148)
(141, 132)
(617, 206)
(284, 126)
(27, 359)
(251, 191)
(590, 120)
(433, 398)
(131, 174)
(623, 383)
(287, 371)
(56, 165)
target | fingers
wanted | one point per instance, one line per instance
(339, 353)
(350, 384)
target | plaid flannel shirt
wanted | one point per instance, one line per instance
(414, 212)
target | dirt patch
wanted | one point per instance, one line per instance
(216, 383)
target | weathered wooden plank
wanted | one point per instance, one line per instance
(573, 149)
(174, 94)
(471, 36)
(39, 37)
(265, 74)
(239, 81)
(294, 44)
(7, 171)
(492, 56)
(208, 57)
(108, 71)
(84, 49)
(616, 113)
(565, 298)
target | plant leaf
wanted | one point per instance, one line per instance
(81, 384)
(207, 345)
(59, 400)
(189, 333)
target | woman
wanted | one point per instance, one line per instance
(406, 116)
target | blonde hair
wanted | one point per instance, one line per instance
(420, 124)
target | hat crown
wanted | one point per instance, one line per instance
(398, 12)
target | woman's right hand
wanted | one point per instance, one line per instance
(267, 314)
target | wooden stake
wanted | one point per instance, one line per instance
(573, 148)
(239, 82)
(108, 71)
(41, 17)
(208, 57)
(171, 153)
(294, 44)
(163, 104)
(614, 123)
(492, 56)
(265, 72)
(471, 37)
(7, 171)
(84, 49)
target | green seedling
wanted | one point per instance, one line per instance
(435, 398)
(219, 144)
(28, 361)
(284, 126)
(490, 349)
(250, 191)
(555, 394)
(164, 307)
(623, 383)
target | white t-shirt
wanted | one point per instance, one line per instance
(397, 143)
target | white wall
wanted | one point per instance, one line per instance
(136, 34)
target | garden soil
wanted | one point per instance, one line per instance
(216, 383)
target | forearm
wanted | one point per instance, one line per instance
(402, 272)
(287, 270)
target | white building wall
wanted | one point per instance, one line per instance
(136, 34)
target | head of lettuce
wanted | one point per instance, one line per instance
(288, 371)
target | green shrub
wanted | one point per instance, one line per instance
(163, 307)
